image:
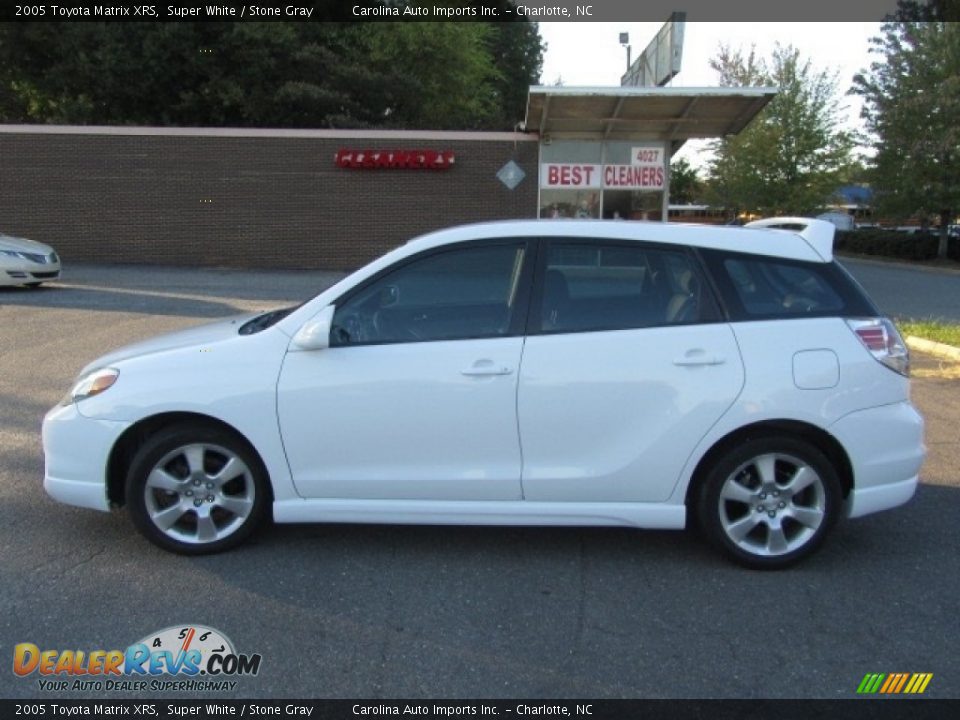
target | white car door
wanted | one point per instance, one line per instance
(416, 397)
(625, 368)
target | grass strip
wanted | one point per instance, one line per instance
(935, 330)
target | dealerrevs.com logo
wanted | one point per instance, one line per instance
(179, 658)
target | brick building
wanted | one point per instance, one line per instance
(280, 198)
(271, 198)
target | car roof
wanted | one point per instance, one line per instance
(790, 244)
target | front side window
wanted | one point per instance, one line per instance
(467, 292)
(593, 286)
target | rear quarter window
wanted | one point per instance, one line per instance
(756, 287)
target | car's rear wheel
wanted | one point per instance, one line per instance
(769, 502)
(196, 489)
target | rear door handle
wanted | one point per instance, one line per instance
(699, 357)
(485, 368)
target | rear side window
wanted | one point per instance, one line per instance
(594, 286)
(757, 287)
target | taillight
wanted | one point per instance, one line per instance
(881, 338)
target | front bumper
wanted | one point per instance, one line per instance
(75, 450)
(886, 450)
(21, 273)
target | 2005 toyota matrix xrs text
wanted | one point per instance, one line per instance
(523, 372)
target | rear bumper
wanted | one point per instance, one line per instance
(886, 450)
(882, 497)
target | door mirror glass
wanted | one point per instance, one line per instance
(315, 333)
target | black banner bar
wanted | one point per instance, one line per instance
(448, 10)
(853, 709)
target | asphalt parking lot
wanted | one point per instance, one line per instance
(382, 612)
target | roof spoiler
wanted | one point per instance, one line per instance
(817, 233)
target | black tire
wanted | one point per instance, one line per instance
(768, 503)
(179, 478)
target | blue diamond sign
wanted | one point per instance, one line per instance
(511, 175)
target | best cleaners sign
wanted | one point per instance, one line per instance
(645, 172)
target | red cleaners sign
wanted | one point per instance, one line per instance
(393, 159)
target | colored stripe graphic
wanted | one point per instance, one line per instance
(920, 682)
(894, 683)
(901, 681)
(870, 683)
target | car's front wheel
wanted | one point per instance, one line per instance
(769, 502)
(196, 489)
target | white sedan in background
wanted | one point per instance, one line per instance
(26, 262)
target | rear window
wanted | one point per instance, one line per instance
(757, 287)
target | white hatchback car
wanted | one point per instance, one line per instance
(26, 262)
(523, 372)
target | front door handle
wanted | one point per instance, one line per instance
(693, 358)
(483, 368)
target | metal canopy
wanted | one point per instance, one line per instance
(627, 113)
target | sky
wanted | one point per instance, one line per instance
(590, 54)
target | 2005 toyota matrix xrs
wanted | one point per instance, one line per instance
(523, 372)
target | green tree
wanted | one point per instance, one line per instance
(425, 75)
(916, 11)
(911, 109)
(439, 75)
(517, 52)
(685, 183)
(239, 74)
(791, 158)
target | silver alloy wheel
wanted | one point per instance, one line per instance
(199, 493)
(773, 504)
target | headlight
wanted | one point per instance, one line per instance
(94, 383)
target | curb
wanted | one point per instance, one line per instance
(940, 350)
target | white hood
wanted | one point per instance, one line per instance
(199, 336)
(23, 245)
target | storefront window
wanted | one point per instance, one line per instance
(570, 179)
(570, 204)
(632, 205)
(571, 151)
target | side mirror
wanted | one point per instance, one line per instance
(315, 333)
